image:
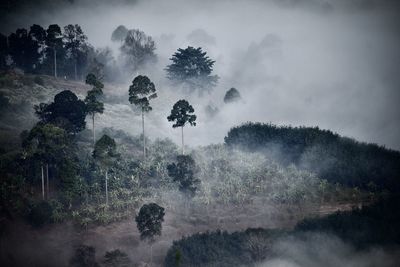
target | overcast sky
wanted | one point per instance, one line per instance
(332, 64)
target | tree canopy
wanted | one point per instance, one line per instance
(105, 150)
(137, 49)
(141, 91)
(149, 221)
(181, 114)
(67, 112)
(232, 95)
(191, 67)
(119, 34)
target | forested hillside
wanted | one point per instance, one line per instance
(138, 133)
(333, 157)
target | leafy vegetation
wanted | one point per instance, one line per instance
(371, 226)
(192, 68)
(334, 158)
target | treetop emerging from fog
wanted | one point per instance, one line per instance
(192, 68)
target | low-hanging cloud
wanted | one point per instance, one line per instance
(316, 249)
(322, 63)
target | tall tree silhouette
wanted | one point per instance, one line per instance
(141, 92)
(75, 43)
(54, 43)
(181, 114)
(149, 223)
(93, 105)
(105, 153)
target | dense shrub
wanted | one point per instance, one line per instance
(372, 226)
(221, 248)
(40, 213)
(85, 256)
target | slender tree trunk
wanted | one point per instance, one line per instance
(107, 187)
(183, 144)
(144, 137)
(42, 182)
(47, 180)
(94, 137)
(55, 62)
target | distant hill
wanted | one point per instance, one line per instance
(333, 157)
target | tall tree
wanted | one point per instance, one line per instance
(54, 43)
(46, 144)
(192, 68)
(67, 112)
(141, 92)
(19, 48)
(37, 36)
(93, 105)
(149, 223)
(137, 49)
(182, 113)
(105, 153)
(75, 43)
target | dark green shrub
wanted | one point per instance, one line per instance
(40, 213)
(85, 256)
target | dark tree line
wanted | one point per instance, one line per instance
(56, 51)
(371, 226)
(335, 158)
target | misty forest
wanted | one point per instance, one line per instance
(200, 133)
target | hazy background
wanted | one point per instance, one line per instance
(332, 64)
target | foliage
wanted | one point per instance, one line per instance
(370, 227)
(93, 105)
(149, 221)
(376, 224)
(105, 150)
(85, 256)
(183, 172)
(36, 50)
(47, 143)
(67, 112)
(40, 213)
(222, 248)
(137, 49)
(141, 91)
(332, 157)
(181, 114)
(191, 67)
(75, 45)
(119, 34)
(116, 258)
(232, 176)
(91, 79)
(232, 95)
